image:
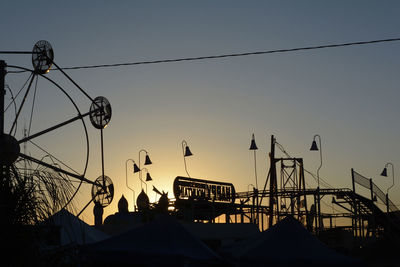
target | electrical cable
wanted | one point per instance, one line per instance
(220, 56)
(234, 54)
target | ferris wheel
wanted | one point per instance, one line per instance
(48, 170)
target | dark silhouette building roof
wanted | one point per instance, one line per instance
(163, 241)
(123, 205)
(143, 201)
(287, 242)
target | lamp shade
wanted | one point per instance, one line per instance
(384, 172)
(187, 152)
(314, 146)
(135, 168)
(147, 161)
(148, 177)
(253, 145)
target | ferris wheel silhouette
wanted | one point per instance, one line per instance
(49, 174)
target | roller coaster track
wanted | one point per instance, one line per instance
(366, 208)
(357, 206)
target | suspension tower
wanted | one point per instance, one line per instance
(288, 197)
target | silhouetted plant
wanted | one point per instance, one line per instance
(27, 198)
(33, 195)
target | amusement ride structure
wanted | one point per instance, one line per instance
(47, 181)
(53, 184)
(285, 193)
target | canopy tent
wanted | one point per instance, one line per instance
(285, 244)
(72, 230)
(163, 241)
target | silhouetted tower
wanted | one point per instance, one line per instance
(143, 202)
(292, 186)
(288, 197)
(273, 185)
(123, 205)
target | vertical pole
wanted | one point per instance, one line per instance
(257, 209)
(3, 177)
(252, 208)
(262, 219)
(255, 168)
(272, 183)
(316, 213)
(387, 203)
(102, 158)
(2, 93)
(241, 212)
(319, 210)
(354, 204)
(361, 225)
(387, 212)
(372, 207)
(302, 183)
(320, 224)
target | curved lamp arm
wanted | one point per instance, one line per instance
(186, 153)
(126, 178)
(320, 153)
(387, 165)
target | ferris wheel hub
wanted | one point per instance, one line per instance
(9, 149)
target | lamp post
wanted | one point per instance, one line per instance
(384, 173)
(147, 161)
(135, 170)
(254, 147)
(186, 153)
(314, 147)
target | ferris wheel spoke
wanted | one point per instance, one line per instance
(22, 103)
(14, 98)
(37, 161)
(71, 80)
(78, 117)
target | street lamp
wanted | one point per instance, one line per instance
(314, 147)
(186, 153)
(384, 173)
(135, 170)
(254, 147)
(147, 161)
(148, 177)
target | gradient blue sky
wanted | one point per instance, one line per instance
(349, 96)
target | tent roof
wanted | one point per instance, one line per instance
(75, 231)
(286, 241)
(162, 237)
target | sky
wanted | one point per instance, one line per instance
(349, 96)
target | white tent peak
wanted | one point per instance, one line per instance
(73, 230)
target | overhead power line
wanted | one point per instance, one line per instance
(233, 55)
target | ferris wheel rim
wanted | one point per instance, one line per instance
(34, 73)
